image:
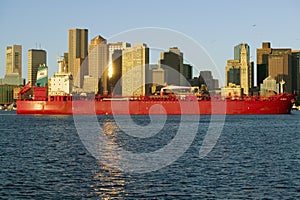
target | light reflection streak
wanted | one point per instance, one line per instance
(111, 180)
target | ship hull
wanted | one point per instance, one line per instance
(278, 105)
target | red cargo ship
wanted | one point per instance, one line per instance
(144, 105)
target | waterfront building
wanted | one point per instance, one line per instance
(14, 60)
(36, 58)
(78, 51)
(135, 70)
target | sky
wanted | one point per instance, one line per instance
(215, 26)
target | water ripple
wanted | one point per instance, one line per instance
(256, 157)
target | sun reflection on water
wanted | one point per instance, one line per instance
(110, 181)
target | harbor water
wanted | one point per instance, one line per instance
(254, 157)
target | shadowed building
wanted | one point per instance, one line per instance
(280, 64)
(172, 63)
(233, 72)
(78, 51)
(296, 72)
(206, 78)
(262, 62)
(187, 71)
(36, 58)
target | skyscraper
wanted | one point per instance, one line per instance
(172, 62)
(14, 59)
(115, 66)
(135, 70)
(238, 49)
(239, 71)
(36, 57)
(296, 72)
(112, 47)
(206, 78)
(262, 62)
(232, 74)
(96, 81)
(279, 63)
(245, 72)
(78, 50)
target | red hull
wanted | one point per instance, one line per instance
(279, 104)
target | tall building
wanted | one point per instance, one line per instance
(135, 70)
(78, 51)
(14, 60)
(158, 76)
(280, 64)
(206, 78)
(245, 70)
(239, 71)
(63, 63)
(115, 66)
(232, 74)
(115, 80)
(172, 63)
(262, 62)
(187, 71)
(238, 50)
(296, 72)
(36, 58)
(112, 47)
(96, 80)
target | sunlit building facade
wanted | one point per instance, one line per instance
(14, 60)
(135, 70)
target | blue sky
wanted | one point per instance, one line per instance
(215, 25)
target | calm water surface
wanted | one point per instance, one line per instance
(256, 157)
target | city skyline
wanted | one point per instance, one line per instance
(208, 23)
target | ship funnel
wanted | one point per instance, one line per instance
(282, 82)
